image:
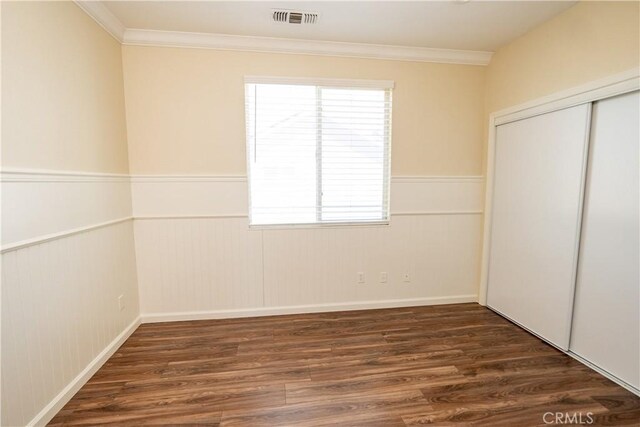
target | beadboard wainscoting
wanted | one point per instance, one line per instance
(68, 253)
(197, 257)
(67, 257)
(37, 204)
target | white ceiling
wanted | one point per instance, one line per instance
(475, 25)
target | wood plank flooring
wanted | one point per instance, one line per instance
(445, 365)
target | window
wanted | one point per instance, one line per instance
(318, 151)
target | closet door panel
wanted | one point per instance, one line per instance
(606, 327)
(536, 210)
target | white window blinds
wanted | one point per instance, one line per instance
(318, 151)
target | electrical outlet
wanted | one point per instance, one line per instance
(406, 277)
(383, 277)
(121, 302)
(360, 277)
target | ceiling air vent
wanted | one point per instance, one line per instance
(294, 17)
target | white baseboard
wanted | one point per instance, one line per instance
(301, 309)
(49, 411)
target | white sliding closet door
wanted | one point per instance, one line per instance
(536, 210)
(606, 325)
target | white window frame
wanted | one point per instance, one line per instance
(328, 83)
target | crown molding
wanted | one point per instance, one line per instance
(136, 37)
(104, 17)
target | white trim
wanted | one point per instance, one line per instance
(627, 81)
(44, 175)
(16, 175)
(436, 179)
(58, 402)
(59, 235)
(188, 178)
(137, 37)
(213, 216)
(318, 225)
(319, 81)
(62, 234)
(301, 309)
(486, 226)
(227, 216)
(140, 37)
(104, 18)
(243, 178)
(421, 213)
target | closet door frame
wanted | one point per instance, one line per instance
(618, 84)
(628, 81)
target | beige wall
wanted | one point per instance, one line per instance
(185, 108)
(62, 110)
(589, 41)
(62, 90)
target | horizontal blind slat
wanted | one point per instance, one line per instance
(317, 154)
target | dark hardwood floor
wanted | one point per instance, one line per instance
(445, 365)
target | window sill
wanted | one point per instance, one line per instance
(318, 225)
